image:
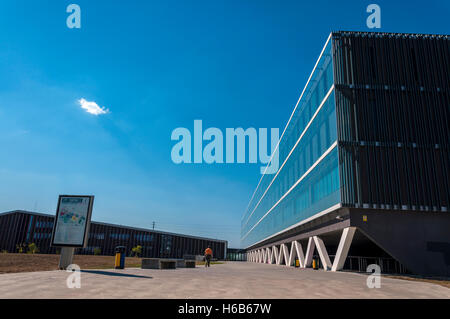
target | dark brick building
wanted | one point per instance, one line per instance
(22, 227)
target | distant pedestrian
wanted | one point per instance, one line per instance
(208, 256)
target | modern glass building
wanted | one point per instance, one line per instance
(364, 159)
(234, 254)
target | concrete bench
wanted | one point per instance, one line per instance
(150, 263)
(168, 264)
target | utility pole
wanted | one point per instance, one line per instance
(153, 225)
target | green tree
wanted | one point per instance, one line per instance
(32, 248)
(136, 251)
(97, 251)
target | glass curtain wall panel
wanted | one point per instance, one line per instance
(307, 181)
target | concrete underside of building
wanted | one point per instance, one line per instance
(419, 243)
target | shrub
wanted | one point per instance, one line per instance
(136, 251)
(97, 251)
(32, 248)
(4, 251)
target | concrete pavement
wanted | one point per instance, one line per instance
(231, 280)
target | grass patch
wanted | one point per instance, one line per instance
(11, 263)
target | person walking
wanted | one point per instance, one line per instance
(208, 256)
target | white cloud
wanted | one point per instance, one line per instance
(92, 107)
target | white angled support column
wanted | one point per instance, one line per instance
(264, 258)
(275, 254)
(296, 251)
(292, 255)
(280, 255)
(300, 255)
(323, 254)
(268, 255)
(309, 253)
(284, 255)
(270, 258)
(343, 248)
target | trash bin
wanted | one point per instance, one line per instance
(315, 264)
(297, 262)
(120, 257)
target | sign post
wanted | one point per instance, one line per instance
(71, 227)
(66, 257)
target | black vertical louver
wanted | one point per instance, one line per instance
(393, 115)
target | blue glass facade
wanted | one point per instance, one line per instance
(307, 181)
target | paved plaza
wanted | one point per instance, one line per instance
(230, 280)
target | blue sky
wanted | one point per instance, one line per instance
(159, 65)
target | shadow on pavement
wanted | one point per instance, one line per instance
(114, 274)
